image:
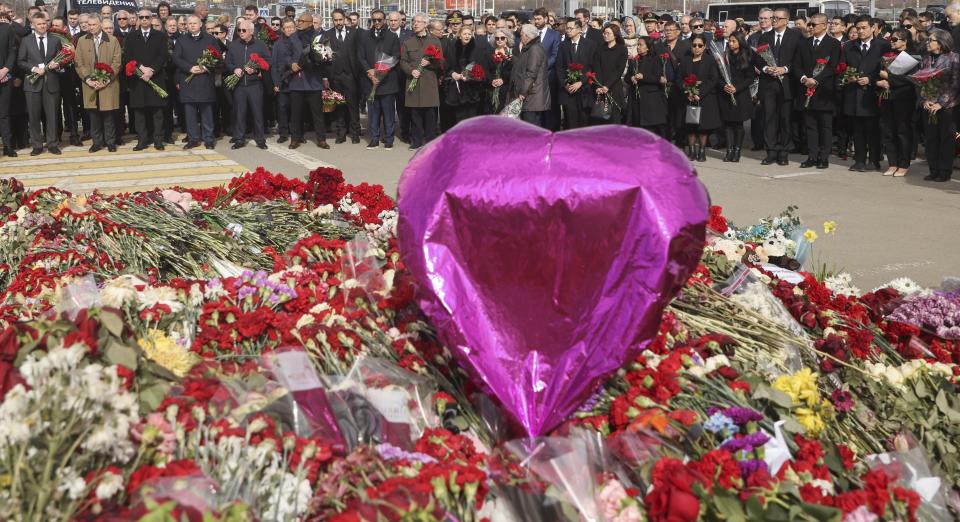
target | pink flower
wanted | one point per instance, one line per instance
(615, 504)
(156, 431)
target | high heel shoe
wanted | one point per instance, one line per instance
(901, 172)
(891, 171)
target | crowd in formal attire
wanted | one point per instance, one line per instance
(811, 87)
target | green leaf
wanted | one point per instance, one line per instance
(728, 506)
(944, 405)
(152, 395)
(775, 396)
(113, 322)
(118, 353)
(920, 388)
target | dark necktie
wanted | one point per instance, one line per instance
(43, 50)
(863, 48)
(574, 48)
(777, 45)
(816, 42)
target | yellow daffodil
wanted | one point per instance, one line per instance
(829, 227)
(810, 236)
(167, 353)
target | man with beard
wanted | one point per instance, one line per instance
(342, 78)
(375, 44)
(306, 85)
(149, 49)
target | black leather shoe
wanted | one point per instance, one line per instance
(112, 148)
(355, 140)
(210, 146)
(769, 160)
(36, 152)
(809, 163)
(877, 167)
(75, 141)
(9, 152)
(191, 145)
(823, 164)
(185, 140)
(54, 150)
(262, 146)
(237, 145)
(94, 148)
(294, 143)
(340, 140)
(322, 144)
(782, 159)
(933, 176)
(159, 146)
(283, 139)
(140, 146)
(858, 167)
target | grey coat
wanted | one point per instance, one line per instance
(529, 77)
(427, 92)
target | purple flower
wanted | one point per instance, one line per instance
(935, 313)
(749, 467)
(842, 400)
(745, 443)
(742, 416)
(391, 452)
(245, 292)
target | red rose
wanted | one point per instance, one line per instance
(822, 61)
(575, 67)
(477, 72)
(841, 67)
(762, 48)
(672, 498)
(690, 80)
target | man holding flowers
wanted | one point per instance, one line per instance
(248, 94)
(43, 94)
(100, 97)
(148, 48)
(423, 93)
(197, 90)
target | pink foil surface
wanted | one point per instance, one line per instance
(545, 260)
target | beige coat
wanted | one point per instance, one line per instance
(109, 53)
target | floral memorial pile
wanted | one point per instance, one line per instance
(257, 352)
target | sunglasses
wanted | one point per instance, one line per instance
(697, 26)
(241, 30)
(907, 26)
(894, 39)
(697, 46)
(124, 19)
(499, 38)
(275, 24)
(377, 20)
(145, 17)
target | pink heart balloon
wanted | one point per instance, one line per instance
(545, 260)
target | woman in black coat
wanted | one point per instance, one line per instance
(742, 74)
(610, 62)
(698, 66)
(498, 63)
(461, 90)
(897, 111)
(648, 103)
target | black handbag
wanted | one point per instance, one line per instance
(602, 109)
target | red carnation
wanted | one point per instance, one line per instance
(890, 55)
(213, 50)
(821, 61)
(575, 67)
(261, 63)
(100, 66)
(664, 56)
(131, 68)
(841, 67)
(690, 80)
(762, 47)
(433, 52)
(477, 72)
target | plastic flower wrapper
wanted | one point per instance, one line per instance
(186, 497)
(632, 454)
(512, 109)
(361, 266)
(524, 494)
(912, 469)
(312, 413)
(258, 391)
(81, 293)
(380, 402)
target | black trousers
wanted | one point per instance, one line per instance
(102, 129)
(576, 115)
(819, 129)
(222, 111)
(283, 113)
(756, 126)
(403, 114)
(866, 136)
(896, 126)
(6, 90)
(346, 118)
(301, 101)
(199, 118)
(776, 120)
(248, 98)
(44, 103)
(145, 116)
(423, 125)
(72, 108)
(940, 141)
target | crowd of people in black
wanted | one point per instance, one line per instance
(809, 86)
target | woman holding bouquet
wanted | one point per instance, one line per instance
(498, 64)
(939, 128)
(897, 109)
(648, 102)
(610, 63)
(462, 90)
(736, 104)
(699, 80)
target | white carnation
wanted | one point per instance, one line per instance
(110, 484)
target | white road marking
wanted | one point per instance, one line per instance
(126, 168)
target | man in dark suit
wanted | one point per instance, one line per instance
(342, 77)
(575, 98)
(374, 44)
(778, 86)
(860, 96)
(149, 49)
(43, 95)
(199, 94)
(8, 61)
(583, 14)
(248, 94)
(550, 40)
(765, 22)
(396, 26)
(818, 114)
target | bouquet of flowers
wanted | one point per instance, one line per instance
(664, 58)
(101, 73)
(209, 58)
(65, 39)
(574, 73)
(847, 74)
(722, 63)
(885, 62)
(256, 62)
(65, 56)
(817, 69)
(381, 69)
(499, 58)
(267, 35)
(133, 69)
(512, 109)
(691, 85)
(432, 53)
(331, 99)
(931, 84)
(474, 72)
(767, 55)
(634, 65)
(320, 51)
